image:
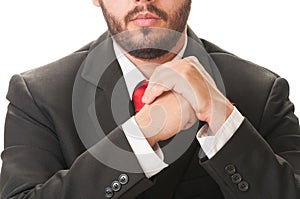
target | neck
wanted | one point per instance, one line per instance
(148, 66)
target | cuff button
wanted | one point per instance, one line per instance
(116, 186)
(123, 179)
(243, 186)
(236, 178)
(230, 169)
(108, 192)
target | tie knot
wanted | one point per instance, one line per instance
(137, 95)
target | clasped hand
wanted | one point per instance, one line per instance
(180, 93)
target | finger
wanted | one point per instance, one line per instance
(188, 115)
(153, 91)
(162, 80)
(195, 62)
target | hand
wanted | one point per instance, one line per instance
(188, 78)
(166, 116)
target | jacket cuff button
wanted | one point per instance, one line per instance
(115, 185)
(236, 178)
(108, 192)
(123, 179)
(230, 169)
(243, 186)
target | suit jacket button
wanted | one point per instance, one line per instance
(243, 186)
(115, 185)
(230, 169)
(108, 192)
(236, 178)
(123, 179)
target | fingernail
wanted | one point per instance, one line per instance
(144, 99)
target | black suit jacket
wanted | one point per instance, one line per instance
(44, 156)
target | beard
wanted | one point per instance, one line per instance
(148, 43)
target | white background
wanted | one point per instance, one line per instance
(35, 32)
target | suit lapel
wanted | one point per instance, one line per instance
(112, 102)
(110, 99)
(195, 47)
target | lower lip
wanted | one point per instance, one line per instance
(145, 22)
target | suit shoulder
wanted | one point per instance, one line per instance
(61, 69)
(49, 84)
(246, 83)
(227, 59)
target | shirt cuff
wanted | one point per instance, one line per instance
(151, 161)
(210, 143)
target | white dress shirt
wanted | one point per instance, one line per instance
(151, 159)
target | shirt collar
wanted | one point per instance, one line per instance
(132, 75)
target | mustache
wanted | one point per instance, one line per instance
(149, 7)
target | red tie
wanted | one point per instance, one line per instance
(137, 95)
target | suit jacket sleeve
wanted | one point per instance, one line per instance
(33, 164)
(263, 162)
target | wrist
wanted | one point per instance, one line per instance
(143, 123)
(218, 116)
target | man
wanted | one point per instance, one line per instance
(213, 125)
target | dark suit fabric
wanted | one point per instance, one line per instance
(45, 158)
